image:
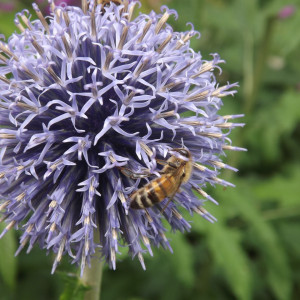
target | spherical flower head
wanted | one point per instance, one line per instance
(92, 103)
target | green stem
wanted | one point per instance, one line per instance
(260, 63)
(92, 278)
(252, 73)
(282, 213)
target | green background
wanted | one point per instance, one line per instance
(253, 251)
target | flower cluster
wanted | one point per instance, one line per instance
(87, 92)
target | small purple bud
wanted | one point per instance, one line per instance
(287, 12)
(7, 6)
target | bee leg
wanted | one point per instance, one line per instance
(161, 161)
(166, 163)
(170, 199)
(150, 220)
(129, 173)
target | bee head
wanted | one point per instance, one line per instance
(183, 152)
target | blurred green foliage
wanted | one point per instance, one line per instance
(253, 251)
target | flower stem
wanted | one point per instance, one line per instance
(92, 278)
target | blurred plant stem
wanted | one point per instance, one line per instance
(259, 66)
(282, 213)
(92, 277)
(253, 70)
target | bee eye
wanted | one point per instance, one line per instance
(184, 153)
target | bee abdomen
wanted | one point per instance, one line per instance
(147, 196)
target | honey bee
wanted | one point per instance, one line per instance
(175, 172)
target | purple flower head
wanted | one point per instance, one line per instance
(87, 96)
(286, 12)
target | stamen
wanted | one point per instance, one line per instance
(164, 43)
(84, 6)
(41, 17)
(222, 165)
(130, 13)
(60, 251)
(108, 60)
(184, 68)
(171, 85)
(128, 98)
(122, 197)
(4, 79)
(113, 258)
(145, 30)
(165, 114)
(112, 159)
(66, 18)
(67, 47)
(194, 123)
(29, 228)
(52, 227)
(140, 69)
(29, 73)
(161, 22)
(200, 167)
(6, 203)
(19, 25)
(27, 106)
(150, 220)
(10, 225)
(177, 214)
(219, 92)
(200, 96)
(93, 24)
(54, 76)
(52, 5)
(208, 66)
(4, 48)
(211, 134)
(52, 204)
(22, 245)
(228, 147)
(7, 136)
(146, 149)
(217, 164)
(37, 47)
(123, 37)
(20, 197)
(180, 43)
(204, 213)
(114, 234)
(26, 21)
(205, 195)
(141, 259)
(124, 10)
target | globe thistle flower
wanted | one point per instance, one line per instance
(90, 94)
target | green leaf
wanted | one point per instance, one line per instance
(283, 187)
(278, 120)
(231, 259)
(74, 288)
(8, 262)
(182, 259)
(266, 239)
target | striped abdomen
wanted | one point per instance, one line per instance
(154, 192)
